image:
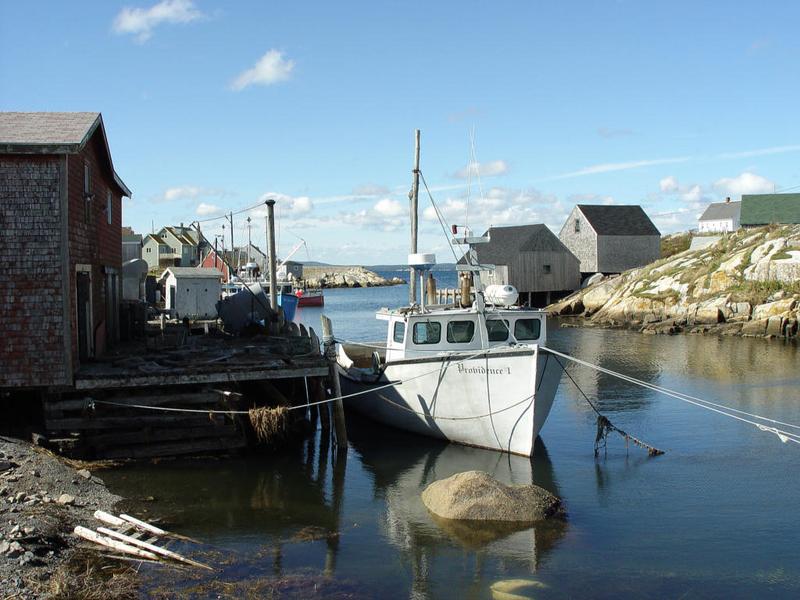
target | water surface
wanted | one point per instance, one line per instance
(715, 517)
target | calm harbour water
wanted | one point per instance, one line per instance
(715, 517)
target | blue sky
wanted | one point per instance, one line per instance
(526, 108)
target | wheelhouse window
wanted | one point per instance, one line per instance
(497, 330)
(460, 332)
(427, 332)
(527, 329)
(399, 332)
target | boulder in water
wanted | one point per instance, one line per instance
(477, 496)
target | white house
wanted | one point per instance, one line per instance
(720, 217)
(192, 291)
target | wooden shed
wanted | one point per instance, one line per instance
(192, 291)
(62, 239)
(611, 238)
(532, 259)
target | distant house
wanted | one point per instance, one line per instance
(131, 244)
(765, 209)
(159, 254)
(61, 222)
(184, 243)
(252, 252)
(214, 261)
(192, 291)
(290, 270)
(610, 238)
(532, 259)
(720, 217)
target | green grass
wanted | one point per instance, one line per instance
(674, 244)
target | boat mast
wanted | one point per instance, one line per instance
(414, 197)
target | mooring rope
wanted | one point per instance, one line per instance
(604, 425)
(301, 406)
(783, 436)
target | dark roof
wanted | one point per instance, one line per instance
(721, 210)
(615, 219)
(508, 241)
(53, 133)
(763, 209)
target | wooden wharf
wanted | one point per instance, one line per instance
(190, 395)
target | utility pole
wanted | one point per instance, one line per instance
(414, 197)
(248, 240)
(273, 287)
(233, 248)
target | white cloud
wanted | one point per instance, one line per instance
(370, 189)
(760, 152)
(501, 206)
(270, 68)
(140, 22)
(187, 192)
(746, 183)
(204, 209)
(290, 207)
(389, 208)
(669, 185)
(622, 166)
(489, 169)
(693, 194)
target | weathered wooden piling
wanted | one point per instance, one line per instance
(329, 344)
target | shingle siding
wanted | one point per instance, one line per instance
(31, 284)
(619, 253)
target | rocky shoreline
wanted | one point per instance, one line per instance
(747, 284)
(346, 277)
(42, 499)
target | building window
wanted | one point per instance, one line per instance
(87, 193)
(109, 207)
(148, 250)
(577, 226)
(546, 269)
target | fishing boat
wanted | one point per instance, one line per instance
(475, 375)
(309, 296)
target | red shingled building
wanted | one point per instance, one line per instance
(60, 236)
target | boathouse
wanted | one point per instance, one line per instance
(720, 217)
(610, 238)
(212, 260)
(767, 209)
(61, 216)
(532, 259)
(191, 292)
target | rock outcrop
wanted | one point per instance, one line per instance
(346, 277)
(476, 496)
(747, 283)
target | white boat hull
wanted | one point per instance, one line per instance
(499, 401)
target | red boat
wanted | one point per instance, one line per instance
(309, 297)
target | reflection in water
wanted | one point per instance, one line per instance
(404, 465)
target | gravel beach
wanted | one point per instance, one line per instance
(42, 499)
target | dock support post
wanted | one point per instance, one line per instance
(431, 285)
(338, 407)
(273, 288)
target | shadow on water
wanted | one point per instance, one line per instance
(271, 519)
(403, 465)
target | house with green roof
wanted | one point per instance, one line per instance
(766, 209)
